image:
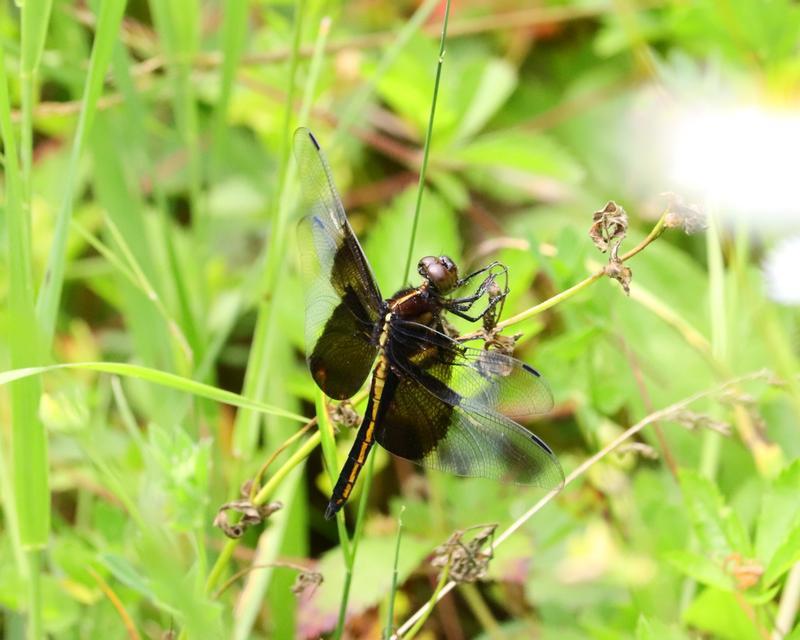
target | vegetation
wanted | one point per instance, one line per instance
(165, 458)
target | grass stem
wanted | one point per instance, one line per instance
(393, 590)
(426, 151)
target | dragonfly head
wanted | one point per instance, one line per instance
(441, 272)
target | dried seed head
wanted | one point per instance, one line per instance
(609, 227)
(251, 514)
(306, 582)
(616, 270)
(493, 341)
(467, 562)
(608, 230)
(693, 420)
(343, 414)
(639, 448)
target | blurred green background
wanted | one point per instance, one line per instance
(149, 208)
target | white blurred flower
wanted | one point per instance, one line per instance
(744, 158)
(782, 271)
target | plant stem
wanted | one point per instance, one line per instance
(34, 630)
(428, 136)
(535, 310)
(656, 417)
(295, 459)
(427, 608)
(393, 590)
(262, 497)
(350, 558)
(789, 604)
(480, 609)
(712, 441)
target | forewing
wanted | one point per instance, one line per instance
(482, 380)
(422, 426)
(342, 299)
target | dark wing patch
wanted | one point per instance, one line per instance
(343, 302)
(481, 379)
(425, 428)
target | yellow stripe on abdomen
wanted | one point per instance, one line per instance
(379, 380)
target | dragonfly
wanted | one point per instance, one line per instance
(432, 400)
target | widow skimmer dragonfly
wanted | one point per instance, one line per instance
(432, 400)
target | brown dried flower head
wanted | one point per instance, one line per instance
(467, 562)
(251, 515)
(609, 227)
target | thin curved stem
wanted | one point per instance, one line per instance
(535, 310)
(428, 136)
(658, 416)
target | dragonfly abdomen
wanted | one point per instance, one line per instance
(366, 432)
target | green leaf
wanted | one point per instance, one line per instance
(779, 517)
(700, 568)
(785, 556)
(158, 377)
(372, 580)
(718, 613)
(719, 529)
(106, 30)
(654, 629)
(387, 244)
(496, 83)
(512, 159)
(124, 571)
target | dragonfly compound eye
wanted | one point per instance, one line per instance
(440, 272)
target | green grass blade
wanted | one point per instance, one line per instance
(234, 28)
(35, 18)
(29, 508)
(108, 22)
(156, 376)
(390, 608)
(256, 375)
(28, 439)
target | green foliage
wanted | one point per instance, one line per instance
(151, 318)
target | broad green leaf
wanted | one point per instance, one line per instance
(718, 613)
(372, 578)
(785, 556)
(700, 568)
(780, 513)
(719, 530)
(177, 477)
(497, 81)
(512, 152)
(408, 86)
